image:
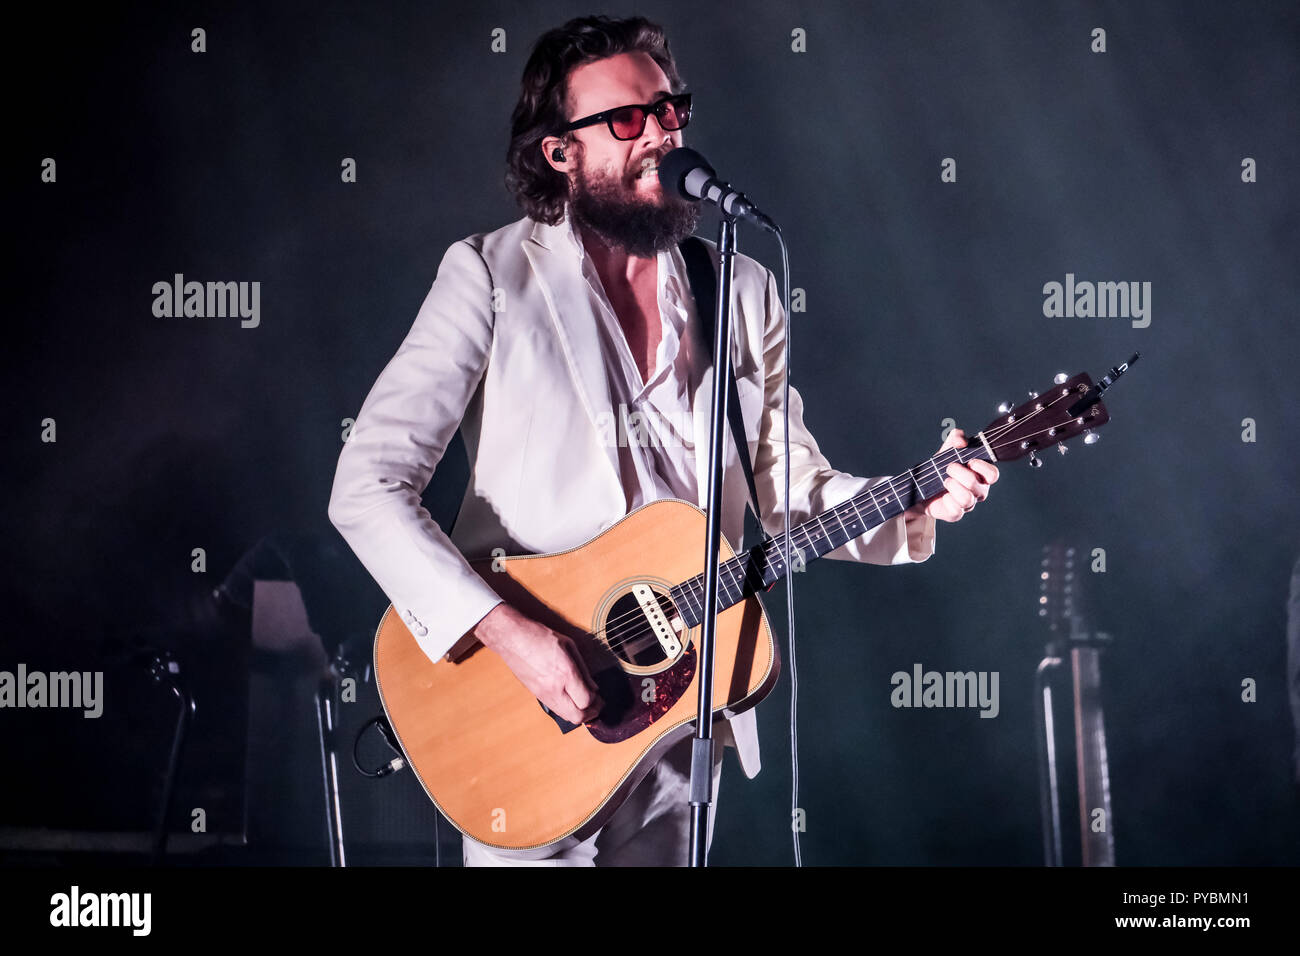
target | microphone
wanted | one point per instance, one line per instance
(688, 174)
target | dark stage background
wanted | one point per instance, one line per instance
(924, 302)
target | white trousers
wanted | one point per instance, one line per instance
(651, 828)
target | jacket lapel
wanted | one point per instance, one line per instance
(566, 293)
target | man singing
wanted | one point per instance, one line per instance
(533, 339)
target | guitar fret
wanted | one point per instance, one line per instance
(880, 511)
(901, 506)
(911, 473)
(861, 521)
(721, 589)
(735, 582)
(822, 528)
(697, 607)
(847, 537)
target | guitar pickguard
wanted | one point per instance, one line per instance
(627, 712)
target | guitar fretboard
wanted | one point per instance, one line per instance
(764, 564)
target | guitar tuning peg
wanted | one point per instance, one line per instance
(1060, 378)
(1033, 394)
(1005, 407)
(1090, 437)
(1034, 460)
(1062, 448)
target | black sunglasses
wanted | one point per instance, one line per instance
(628, 122)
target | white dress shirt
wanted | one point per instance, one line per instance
(653, 420)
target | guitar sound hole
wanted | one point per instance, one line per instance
(629, 634)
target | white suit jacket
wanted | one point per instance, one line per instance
(505, 346)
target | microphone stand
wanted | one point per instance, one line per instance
(701, 793)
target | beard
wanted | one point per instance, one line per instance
(641, 225)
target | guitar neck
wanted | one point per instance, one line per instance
(764, 564)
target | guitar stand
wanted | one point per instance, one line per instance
(1048, 796)
(1081, 646)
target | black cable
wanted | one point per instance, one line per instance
(394, 765)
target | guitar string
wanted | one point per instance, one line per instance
(615, 637)
(735, 573)
(738, 578)
(733, 567)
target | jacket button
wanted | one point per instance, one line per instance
(421, 631)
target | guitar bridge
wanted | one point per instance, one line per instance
(658, 621)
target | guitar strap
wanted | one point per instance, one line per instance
(704, 286)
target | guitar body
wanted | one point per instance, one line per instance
(499, 766)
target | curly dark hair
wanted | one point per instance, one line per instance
(541, 190)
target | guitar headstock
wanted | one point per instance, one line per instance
(1059, 413)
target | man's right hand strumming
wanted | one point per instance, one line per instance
(546, 662)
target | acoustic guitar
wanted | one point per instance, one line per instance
(514, 776)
